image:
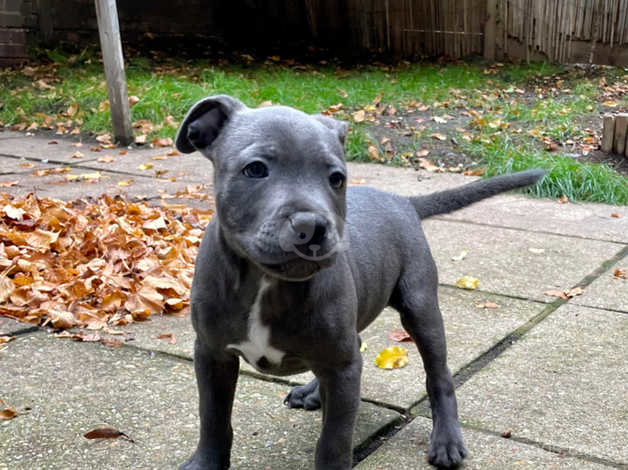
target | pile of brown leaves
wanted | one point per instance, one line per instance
(95, 263)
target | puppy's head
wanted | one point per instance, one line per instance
(280, 182)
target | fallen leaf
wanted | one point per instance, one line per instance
(363, 346)
(12, 212)
(8, 184)
(106, 159)
(573, 292)
(422, 153)
(133, 100)
(373, 152)
(140, 139)
(169, 336)
(125, 183)
(615, 215)
(487, 304)
(359, 116)
(393, 357)
(162, 142)
(5, 339)
(7, 412)
(536, 251)
(555, 293)
(468, 282)
(399, 334)
(72, 109)
(507, 434)
(439, 120)
(563, 199)
(474, 172)
(116, 343)
(619, 273)
(438, 136)
(459, 257)
(77, 154)
(106, 433)
(428, 165)
(145, 166)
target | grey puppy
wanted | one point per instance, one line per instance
(294, 265)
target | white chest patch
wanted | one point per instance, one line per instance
(257, 344)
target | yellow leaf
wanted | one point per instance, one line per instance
(393, 357)
(468, 282)
(125, 183)
(145, 166)
(72, 109)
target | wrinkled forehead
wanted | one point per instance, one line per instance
(283, 131)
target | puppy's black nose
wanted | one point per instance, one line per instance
(309, 228)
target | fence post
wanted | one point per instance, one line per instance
(489, 30)
(109, 32)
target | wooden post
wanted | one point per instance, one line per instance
(608, 133)
(111, 46)
(621, 126)
(489, 30)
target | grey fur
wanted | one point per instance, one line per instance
(363, 250)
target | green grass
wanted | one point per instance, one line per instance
(167, 89)
(565, 176)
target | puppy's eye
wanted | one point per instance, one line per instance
(337, 180)
(255, 170)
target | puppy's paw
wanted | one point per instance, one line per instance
(447, 451)
(304, 396)
(203, 461)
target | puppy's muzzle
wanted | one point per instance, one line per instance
(309, 235)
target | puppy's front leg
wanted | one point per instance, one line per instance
(216, 379)
(340, 399)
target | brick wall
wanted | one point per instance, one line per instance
(15, 20)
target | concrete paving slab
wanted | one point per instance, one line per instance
(608, 291)
(403, 181)
(58, 186)
(73, 388)
(470, 331)
(514, 262)
(43, 147)
(10, 327)
(409, 448)
(190, 167)
(544, 215)
(563, 384)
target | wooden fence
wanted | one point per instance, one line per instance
(557, 30)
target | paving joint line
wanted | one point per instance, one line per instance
(498, 294)
(526, 230)
(552, 448)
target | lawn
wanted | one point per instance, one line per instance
(450, 117)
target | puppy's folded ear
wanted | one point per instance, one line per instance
(340, 127)
(204, 122)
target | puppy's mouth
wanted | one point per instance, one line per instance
(295, 270)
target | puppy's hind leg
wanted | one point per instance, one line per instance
(417, 302)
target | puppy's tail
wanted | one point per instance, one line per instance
(450, 200)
